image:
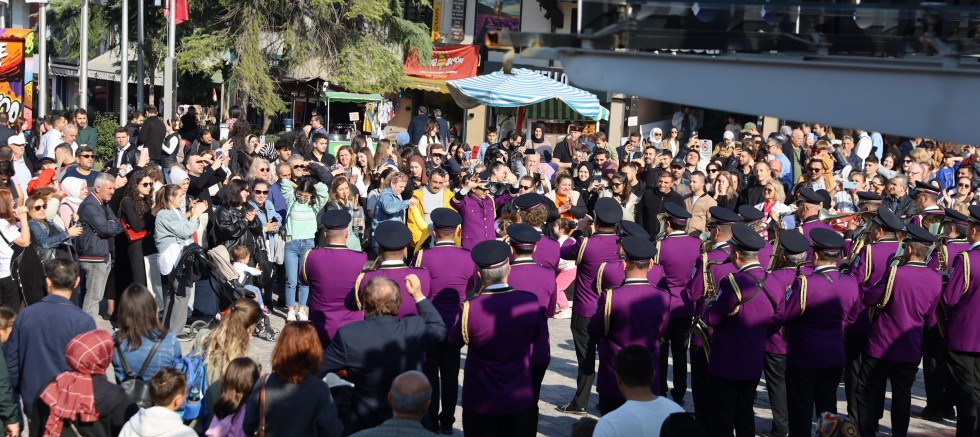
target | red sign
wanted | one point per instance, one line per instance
(447, 63)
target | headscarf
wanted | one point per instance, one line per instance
(533, 138)
(73, 188)
(71, 396)
(653, 137)
(579, 184)
(177, 176)
(420, 161)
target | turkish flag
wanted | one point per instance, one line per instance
(181, 7)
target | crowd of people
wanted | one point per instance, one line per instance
(815, 258)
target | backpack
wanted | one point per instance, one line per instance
(133, 383)
(195, 370)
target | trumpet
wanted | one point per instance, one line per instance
(700, 329)
(863, 217)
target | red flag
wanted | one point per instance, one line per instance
(181, 7)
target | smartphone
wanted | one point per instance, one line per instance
(218, 154)
(144, 154)
(475, 152)
(598, 177)
(261, 139)
(273, 219)
(850, 185)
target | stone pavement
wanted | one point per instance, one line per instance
(559, 387)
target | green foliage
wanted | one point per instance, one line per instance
(357, 44)
(106, 124)
(64, 18)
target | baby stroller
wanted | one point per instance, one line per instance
(224, 281)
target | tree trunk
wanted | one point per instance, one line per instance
(266, 122)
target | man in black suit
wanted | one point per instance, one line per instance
(416, 127)
(152, 134)
(376, 350)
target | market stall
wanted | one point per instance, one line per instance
(349, 127)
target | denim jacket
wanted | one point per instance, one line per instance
(266, 213)
(165, 355)
(390, 206)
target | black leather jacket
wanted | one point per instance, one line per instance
(231, 229)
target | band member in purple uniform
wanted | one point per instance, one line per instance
(635, 312)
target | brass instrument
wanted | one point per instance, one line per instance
(698, 327)
(662, 219)
(932, 223)
(864, 216)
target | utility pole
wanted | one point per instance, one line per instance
(168, 63)
(42, 85)
(124, 66)
(83, 59)
(140, 78)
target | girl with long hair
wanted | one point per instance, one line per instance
(620, 192)
(342, 198)
(15, 239)
(229, 410)
(139, 331)
(172, 231)
(304, 201)
(229, 340)
(135, 212)
(365, 163)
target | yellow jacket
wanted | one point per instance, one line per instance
(415, 219)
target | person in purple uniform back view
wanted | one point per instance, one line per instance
(904, 303)
(635, 312)
(452, 275)
(499, 327)
(331, 272)
(526, 274)
(818, 307)
(589, 253)
(393, 239)
(961, 300)
(744, 315)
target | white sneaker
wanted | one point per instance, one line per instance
(291, 315)
(302, 316)
(563, 314)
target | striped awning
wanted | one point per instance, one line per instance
(556, 110)
(521, 88)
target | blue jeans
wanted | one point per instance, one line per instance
(295, 249)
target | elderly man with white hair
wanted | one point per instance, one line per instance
(100, 226)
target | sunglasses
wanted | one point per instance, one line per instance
(261, 192)
(146, 184)
(526, 187)
(40, 207)
(658, 135)
(816, 169)
(297, 167)
(712, 170)
(86, 156)
(617, 184)
(963, 185)
(263, 169)
(907, 161)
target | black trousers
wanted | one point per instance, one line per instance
(675, 340)
(809, 389)
(854, 346)
(964, 375)
(935, 373)
(699, 385)
(442, 368)
(10, 293)
(518, 424)
(585, 355)
(874, 374)
(608, 404)
(731, 407)
(774, 369)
